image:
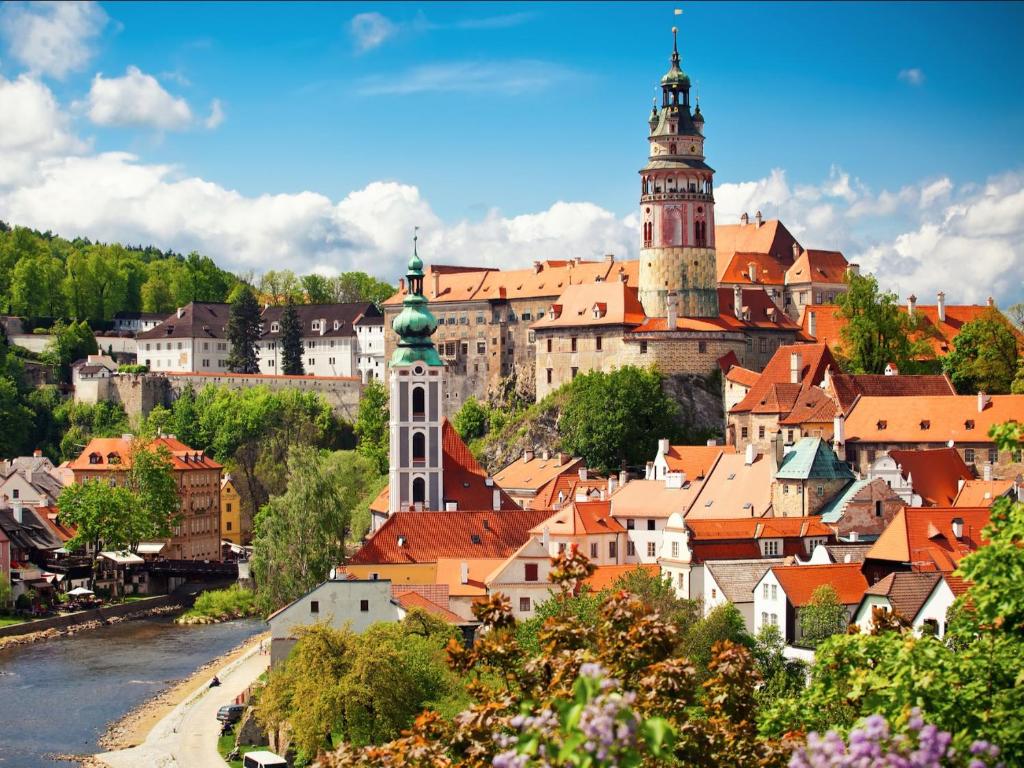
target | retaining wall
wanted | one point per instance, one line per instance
(96, 614)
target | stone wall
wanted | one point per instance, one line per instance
(690, 271)
(96, 614)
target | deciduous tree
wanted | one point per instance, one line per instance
(371, 425)
(823, 617)
(985, 355)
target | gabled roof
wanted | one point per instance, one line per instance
(761, 398)
(522, 475)
(734, 489)
(848, 552)
(800, 581)
(923, 537)
(651, 498)
(771, 238)
(345, 316)
(729, 529)
(430, 536)
(411, 600)
(605, 576)
(812, 406)
(813, 266)
(199, 320)
(846, 388)
(812, 459)
(114, 454)
(930, 419)
(51, 517)
(31, 533)
(759, 311)
(581, 518)
(934, 473)
(737, 578)
(595, 304)
(449, 573)
(981, 493)
(767, 270)
(695, 460)
(906, 592)
(833, 511)
(743, 376)
(566, 486)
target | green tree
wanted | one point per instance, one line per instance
(1017, 387)
(244, 332)
(277, 286)
(157, 292)
(876, 330)
(151, 480)
(300, 535)
(71, 342)
(614, 420)
(291, 341)
(371, 427)
(359, 286)
(36, 286)
(471, 420)
(698, 640)
(15, 419)
(317, 289)
(782, 677)
(198, 278)
(823, 617)
(985, 355)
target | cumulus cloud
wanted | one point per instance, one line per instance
(508, 77)
(51, 38)
(135, 99)
(216, 116)
(371, 29)
(912, 76)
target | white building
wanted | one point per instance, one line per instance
(137, 322)
(784, 590)
(922, 600)
(192, 340)
(30, 481)
(330, 339)
(370, 347)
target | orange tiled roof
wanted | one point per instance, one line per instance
(846, 388)
(812, 406)
(923, 537)
(800, 581)
(535, 473)
(695, 460)
(106, 448)
(51, 517)
(579, 518)
(651, 498)
(930, 419)
(567, 485)
(605, 576)
(818, 267)
(430, 536)
(594, 304)
(758, 309)
(771, 237)
(934, 473)
(981, 493)
(743, 376)
(814, 358)
(410, 600)
(767, 270)
(758, 528)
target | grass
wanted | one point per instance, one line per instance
(221, 605)
(10, 621)
(227, 743)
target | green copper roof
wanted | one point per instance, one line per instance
(415, 324)
(833, 511)
(812, 458)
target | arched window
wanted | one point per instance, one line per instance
(418, 402)
(419, 491)
(672, 148)
(419, 448)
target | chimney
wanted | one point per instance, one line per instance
(853, 269)
(670, 311)
(37, 453)
(612, 485)
(496, 500)
(623, 478)
(649, 471)
(758, 219)
(744, 219)
(737, 302)
(797, 250)
(983, 401)
(959, 484)
(537, 266)
(663, 446)
(991, 302)
(750, 455)
(839, 429)
(562, 458)
(527, 455)
(958, 527)
(675, 480)
(987, 473)
(778, 450)
(323, 325)
(911, 304)
(181, 312)
(464, 572)
(891, 369)
(583, 473)
(546, 537)
(794, 368)
(940, 305)
(18, 514)
(812, 323)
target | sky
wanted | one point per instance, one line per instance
(316, 136)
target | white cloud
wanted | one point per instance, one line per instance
(51, 38)
(216, 116)
(135, 99)
(912, 76)
(508, 77)
(371, 29)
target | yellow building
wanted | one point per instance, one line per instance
(231, 528)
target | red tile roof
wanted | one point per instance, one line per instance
(428, 536)
(800, 581)
(935, 474)
(605, 576)
(581, 518)
(813, 266)
(923, 537)
(594, 304)
(758, 528)
(812, 406)
(537, 472)
(767, 270)
(695, 460)
(771, 237)
(925, 420)
(814, 358)
(182, 457)
(846, 388)
(411, 600)
(981, 493)
(566, 485)
(742, 376)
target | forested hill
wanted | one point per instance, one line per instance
(43, 275)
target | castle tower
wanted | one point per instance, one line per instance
(417, 404)
(677, 207)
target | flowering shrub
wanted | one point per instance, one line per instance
(873, 745)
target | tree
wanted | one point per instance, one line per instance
(15, 418)
(985, 355)
(1017, 387)
(244, 332)
(372, 425)
(151, 480)
(157, 292)
(300, 535)
(614, 420)
(359, 286)
(291, 341)
(1015, 312)
(471, 420)
(278, 286)
(71, 342)
(823, 617)
(698, 640)
(876, 330)
(317, 289)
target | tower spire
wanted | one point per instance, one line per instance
(675, 45)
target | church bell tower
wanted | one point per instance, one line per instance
(417, 404)
(677, 206)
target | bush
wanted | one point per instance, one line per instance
(221, 605)
(133, 369)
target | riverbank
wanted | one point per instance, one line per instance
(87, 620)
(132, 729)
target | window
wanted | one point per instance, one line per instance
(364, 606)
(419, 491)
(630, 524)
(820, 491)
(549, 345)
(227, 525)
(419, 397)
(775, 592)
(613, 549)
(878, 509)
(573, 371)
(764, 344)
(16, 493)
(760, 432)
(550, 373)
(789, 436)
(481, 347)
(531, 572)
(681, 581)
(593, 551)
(524, 605)
(765, 591)
(785, 489)
(643, 347)
(702, 346)
(650, 525)
(675, 549)
(775, 619)
(969, 455)
(764, 618)
(743, 432)
(419, 448)
(771, 548)
(572, 344)
(993, 455)
(561, 546)
(480, 318)
(630, 549)
(714, 593)
(597, 343)
(651, 549)
(314, 606)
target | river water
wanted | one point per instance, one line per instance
(57, 696)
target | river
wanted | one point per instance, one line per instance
(57, 696)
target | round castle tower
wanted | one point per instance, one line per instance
(677, 207)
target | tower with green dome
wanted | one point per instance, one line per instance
(418, 394)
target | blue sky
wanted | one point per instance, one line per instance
(456, 115)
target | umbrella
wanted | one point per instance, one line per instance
(77, 591)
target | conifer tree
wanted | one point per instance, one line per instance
(291, 341)
(244, 332)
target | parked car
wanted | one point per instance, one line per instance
(263, 759)
(230, 713)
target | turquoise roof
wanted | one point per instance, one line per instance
(415, 324)
(833, 511)
(812, 458)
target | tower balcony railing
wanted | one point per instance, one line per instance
(651, 197)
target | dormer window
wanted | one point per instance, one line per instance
(969, 424)
(95, 458)
(881, 424)
(600, 310)
(274, 327)
(316, 325)
(925, 424)
(556, 311)
(113, 458)
(337, 324)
